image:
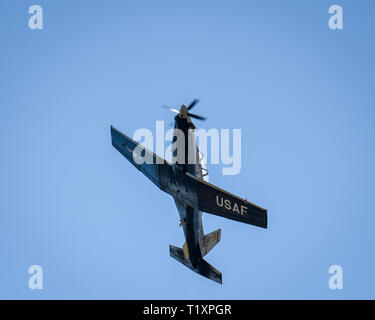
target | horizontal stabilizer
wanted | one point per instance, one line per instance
(203, 268)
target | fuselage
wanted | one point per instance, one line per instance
(191, 219)
(183, 180)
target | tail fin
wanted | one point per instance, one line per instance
(208, 241)
(203, 268)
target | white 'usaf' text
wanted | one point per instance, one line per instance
(240, 209)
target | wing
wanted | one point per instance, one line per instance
(214, 200)
(158, 170)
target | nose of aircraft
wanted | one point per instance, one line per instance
(183, 111)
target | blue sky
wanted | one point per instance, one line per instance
(301, 93)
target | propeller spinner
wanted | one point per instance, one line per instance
(184, 111)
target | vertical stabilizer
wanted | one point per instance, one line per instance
(208, 241)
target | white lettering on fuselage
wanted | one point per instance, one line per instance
(234, 207)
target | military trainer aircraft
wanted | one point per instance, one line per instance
(183, 180)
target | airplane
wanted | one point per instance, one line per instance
(192, 195)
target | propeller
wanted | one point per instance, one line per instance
(195, 116)
(192, 104)
(171, 109)
(184, 110)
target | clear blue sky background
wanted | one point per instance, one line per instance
(302, 94)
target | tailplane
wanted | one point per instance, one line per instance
(203, 268)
